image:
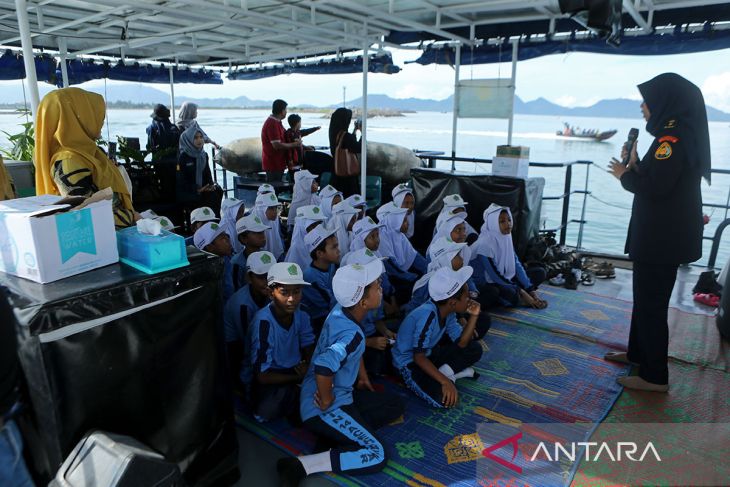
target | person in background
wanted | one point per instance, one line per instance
(308, 217)
(305, 189)
(239, 313)
(281, 346)
(195, 185)
(7, 188)
(324, 251)
(403, 197)
(276, 152)
(337, 390)
(67, 160)
(187, 117)
(163, 138)
(294, 133)
(250, 234)
(498, 266)
(232, 210)
(666, 224)
(13, 471)
(267, 208)
(212, 238)
(338, 133)
(429, 366)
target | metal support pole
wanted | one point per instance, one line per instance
(64, 53)
(515, 49)
(457, 66)
(172, 94)
(364, 149)
(21, 10)
(566, 204)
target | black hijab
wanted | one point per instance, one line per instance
(339, 121)
(671, 97)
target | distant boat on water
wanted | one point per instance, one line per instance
(576, 133)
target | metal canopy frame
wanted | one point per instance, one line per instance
(232, 33)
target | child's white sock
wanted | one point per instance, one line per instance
(467, 372)
(448, 372)
(317, 462)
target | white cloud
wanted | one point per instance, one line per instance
(566, 100)
(716, 89)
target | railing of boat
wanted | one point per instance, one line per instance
(565, 196)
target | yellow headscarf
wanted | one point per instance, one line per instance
(7, 190)
(67, 124)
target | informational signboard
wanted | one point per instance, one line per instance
(486, 98)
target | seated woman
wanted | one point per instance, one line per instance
(195, 185)
(67, 160)
(497, 270)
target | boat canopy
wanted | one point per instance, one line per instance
(380, 63)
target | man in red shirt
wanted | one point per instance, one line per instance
(275, 154)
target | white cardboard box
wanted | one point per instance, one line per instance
(44, 239)
(510, 166)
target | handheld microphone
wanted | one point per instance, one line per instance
(633, 135)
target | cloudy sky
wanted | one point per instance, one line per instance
(574, 79)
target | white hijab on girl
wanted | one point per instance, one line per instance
(274, 242)
(495, 245)
(399, 193)
(302, 194)
(394, 243)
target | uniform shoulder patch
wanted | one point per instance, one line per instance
(669, 138)
(670, 124)
(664, 151)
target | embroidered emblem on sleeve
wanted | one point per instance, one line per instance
(664, 151)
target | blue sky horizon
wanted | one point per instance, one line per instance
(572, 80)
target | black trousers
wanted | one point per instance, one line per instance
(496, 295)
(349, 430)
(451, 354)
(273, 401)
(649, 335)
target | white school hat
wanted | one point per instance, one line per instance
(311, 212)
(260, 262)
(229, 203)
(356, 201)
(444, 245)
(344, 208)
(389, 209)
(328, 191)
(360, 256)
(350, 281)
(446, 282)
(286, 273)
(202, 214)
(205, 235)
(250, 223)
(165, 223)
(454, 201)
(267, 200)
(401, 188)
(265, 189)
(364, 227)
(319, 234)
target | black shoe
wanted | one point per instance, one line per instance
(571, 280)
(291, 472)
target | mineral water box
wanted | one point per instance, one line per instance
(511, 161)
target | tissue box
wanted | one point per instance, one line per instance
(151, 253)
(46, 238)
(511, 161)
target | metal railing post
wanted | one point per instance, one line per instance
(583, 210)
(566, 204)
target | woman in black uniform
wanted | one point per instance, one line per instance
(666, 217)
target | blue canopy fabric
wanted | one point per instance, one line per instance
(12, 67)
(81, 71)
(650, 45)
(382, 63)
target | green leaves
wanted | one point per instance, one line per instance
(22, 144)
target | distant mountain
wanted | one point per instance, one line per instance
(142, 94)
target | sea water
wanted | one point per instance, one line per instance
(608, 207)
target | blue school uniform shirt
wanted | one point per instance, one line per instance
(228, 288)
(318, 299)
(238, 261)
(368, 324)
(238, 313)
(337, 355)
(276, 347)
(421, 331)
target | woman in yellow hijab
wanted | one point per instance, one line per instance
(67, 160)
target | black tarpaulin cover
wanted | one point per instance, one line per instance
(523, 197)
(135, 354)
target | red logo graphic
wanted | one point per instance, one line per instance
(487, 452)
